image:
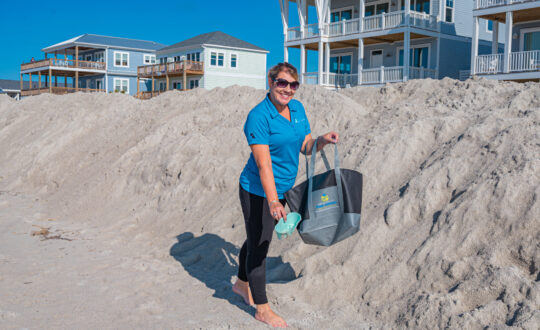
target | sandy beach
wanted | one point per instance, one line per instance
(117, 213)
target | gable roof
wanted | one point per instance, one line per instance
(216, 38)
(105, 41)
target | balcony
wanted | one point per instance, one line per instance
(483, 4)
(163, 70)
(379, 22)
(374, 76)
(528, 61)
(59, 64)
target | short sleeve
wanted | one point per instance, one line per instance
(256, 129)
(307, 127)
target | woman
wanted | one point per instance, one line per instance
(277, 130)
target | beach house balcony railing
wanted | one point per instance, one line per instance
(58, 90)
(63, 63)
(372, 76)
(518, 62)
(171, 68)
(481, 4)
(372, 23)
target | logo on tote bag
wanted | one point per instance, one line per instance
(324, 198)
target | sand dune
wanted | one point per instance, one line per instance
(140, 200)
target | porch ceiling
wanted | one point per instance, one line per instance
(71, 50)
(62, 73)
(524, 15)
(390, 38)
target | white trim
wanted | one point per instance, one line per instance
(234, 74)
(114, 84)
(453, 11)
(379, 2)
(522, 37)
(230, 61)
(335, 10)
(487, 26)
(53, 47)
(235, 48)
(96, 55)
(114, 59)
(61, 68)
(413, 47)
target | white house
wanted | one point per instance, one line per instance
(209, 60)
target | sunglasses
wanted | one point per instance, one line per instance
(282, 83)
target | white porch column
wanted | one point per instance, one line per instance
(327, 62)
(106, 71)
(284, 6)
(508, 40)
(301, 5)
(495, 40)
(361, 14)
(474, 50)
(360, 59)
(321, 59)
(406, 54)
(302, 62)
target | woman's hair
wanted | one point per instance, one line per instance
(285, 66)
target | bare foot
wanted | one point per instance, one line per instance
(241, 288)
(265, 314)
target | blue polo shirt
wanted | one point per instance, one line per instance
(264, 125)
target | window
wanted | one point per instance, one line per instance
(449, 11)
(221, 57)
(162, 86)
(530, 39)
(376, 9)
(121, 59)
(177, 58)
(163, 60)
(234, 60)
(340, 64)
(213, 59)
(196, 57)
(217, 59)
(177, 85)
(100, 57)
(421, 6)
(121, 85)
(193, 83)
(489, 25)
(418, 57)
(149, 59)
(88, 57)
(341, 15)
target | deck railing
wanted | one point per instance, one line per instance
(163, 69)
(525, 61)
(58, 90)
(371, 23)
(481, 4)
(373, 76)
(489, 64)
(64, 63)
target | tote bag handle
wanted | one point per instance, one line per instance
(311, 173)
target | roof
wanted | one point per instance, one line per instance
(6, 84)
(105, 41)
(216, 38)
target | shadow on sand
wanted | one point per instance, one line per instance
(212, 260)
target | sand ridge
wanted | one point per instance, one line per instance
(147, 191)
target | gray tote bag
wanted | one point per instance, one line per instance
(330, 203)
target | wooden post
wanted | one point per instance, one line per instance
(152, 85)
(55, 81)
(21, 83)
(76, 68)
(65, 54)
(50, 80)
(184, 76)
(138, 89)
(45, 55)
(39, 80)
(30, 82)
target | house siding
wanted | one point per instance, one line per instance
(456, 56)
(517, 28)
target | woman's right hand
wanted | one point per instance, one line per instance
(277, 210)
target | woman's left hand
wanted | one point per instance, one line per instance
(330, 137)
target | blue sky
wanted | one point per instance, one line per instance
(29, 26)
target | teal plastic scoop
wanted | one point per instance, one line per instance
(285, 229)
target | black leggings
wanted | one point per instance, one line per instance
(259, 229)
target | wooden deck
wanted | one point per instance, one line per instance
(58, 90)
(170, 69)
(58, 64)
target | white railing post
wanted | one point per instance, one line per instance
(508, 41)
(343, 26)
(361, 15)
(382, 21)
(382, 74)
(474, 51)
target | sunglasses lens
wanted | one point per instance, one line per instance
(281, 83)
(294, 85)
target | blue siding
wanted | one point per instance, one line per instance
(456, 56)
(516, 29)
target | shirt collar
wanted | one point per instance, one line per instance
(273, 111)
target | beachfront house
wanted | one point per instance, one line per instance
(520, 59)
(89, 63)
(209, 60)
(371, 42)
(12, 88)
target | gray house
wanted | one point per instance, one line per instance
(370, 42)
(209, 60)
(520, 59)
(13, 87)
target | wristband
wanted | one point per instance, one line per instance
(273, 201)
